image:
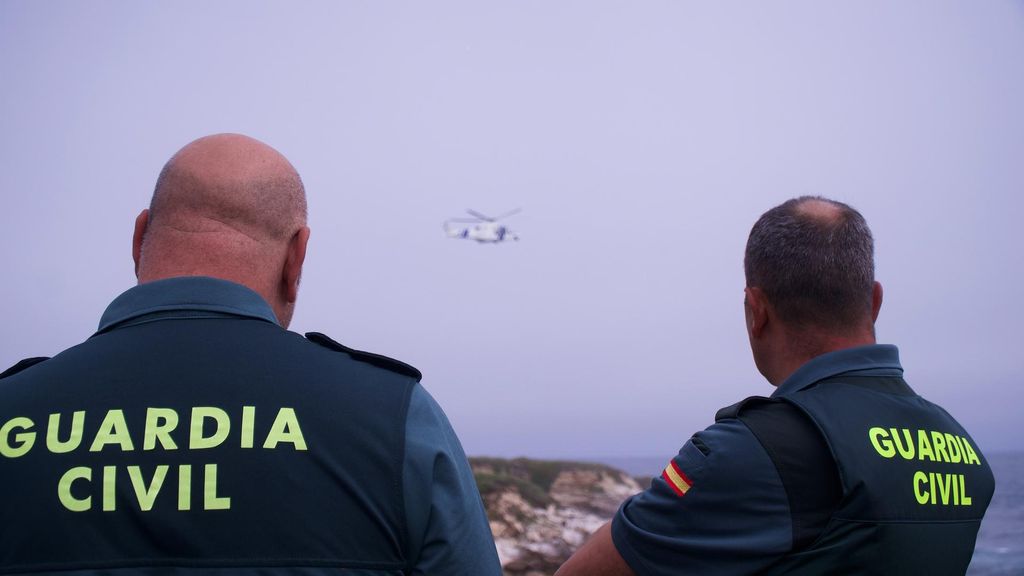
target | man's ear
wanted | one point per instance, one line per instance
(141, 224)
(757, 311)
(292, 272)
(876, 301)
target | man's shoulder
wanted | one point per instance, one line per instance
(780, 426)
(801, 456)
(757, 407)
(23, 365)
(376, 360)
(747, 404)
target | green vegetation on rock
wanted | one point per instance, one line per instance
(531, 478)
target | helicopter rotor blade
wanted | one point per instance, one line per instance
(480, 216)
(509, 213)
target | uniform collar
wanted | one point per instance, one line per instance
(187, 293)
(875, 359)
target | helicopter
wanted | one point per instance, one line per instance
(484, 229)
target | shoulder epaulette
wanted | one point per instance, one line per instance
(26, 363)
(734, 410)
(368, 357)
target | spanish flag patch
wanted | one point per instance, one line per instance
(678, 481)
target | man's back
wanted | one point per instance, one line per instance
(911, 487)
(205, 438)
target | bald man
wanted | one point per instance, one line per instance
(194, 434)
(843, 470)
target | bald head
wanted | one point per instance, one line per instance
(230, 180)
(226, 206)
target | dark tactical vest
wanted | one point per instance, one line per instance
(188, 445)
(910, 485)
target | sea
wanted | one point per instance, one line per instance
(999, 550)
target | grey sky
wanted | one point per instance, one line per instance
(641, 139)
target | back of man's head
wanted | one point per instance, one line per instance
(226, 206)
(813, 259)
(233, 181)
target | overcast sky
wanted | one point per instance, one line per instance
(641, 140)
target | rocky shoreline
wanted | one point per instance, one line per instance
(541, 511)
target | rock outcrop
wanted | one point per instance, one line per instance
(542, 511)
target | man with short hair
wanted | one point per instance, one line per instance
(194, 434)
(843, 470)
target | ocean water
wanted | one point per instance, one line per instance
(1000, 547)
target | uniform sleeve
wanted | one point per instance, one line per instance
(719, 508)
(448, 527)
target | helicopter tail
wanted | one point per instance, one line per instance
(455, 231)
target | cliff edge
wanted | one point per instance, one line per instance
(541, 511)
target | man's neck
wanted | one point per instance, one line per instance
(281, 310)
(799, 351)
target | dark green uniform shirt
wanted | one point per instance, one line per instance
(844, 470)
(192, 434)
